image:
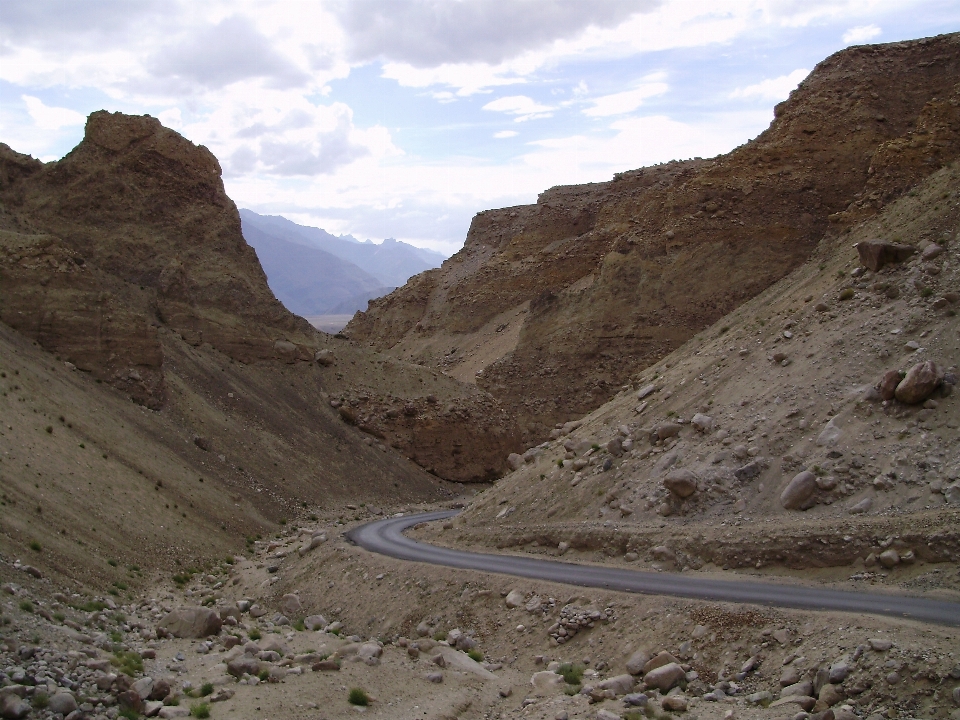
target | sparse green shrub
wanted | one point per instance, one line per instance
(926, 292)
(200, 710)
(112, 563)
(254, 634)
(128, 662)
(26, 606)
(264, 675)
(35, 546)
(571, 690)
(128, 714)
(358, 696)
(475, 655)
(439, 635)
(59, 616)
(206, 689)
(572, 673)
(40, 700)
(846, 294)
(299, 626)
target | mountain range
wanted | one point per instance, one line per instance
(313, 272)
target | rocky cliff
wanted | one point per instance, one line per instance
(552, 307)
(126, 260)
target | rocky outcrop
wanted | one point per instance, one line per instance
(595, 282)
(130, 231)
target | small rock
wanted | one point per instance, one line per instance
(674, 702)
(839, 672)
(515, 461)
(861, 507)
(620, 684)
(799, 490)
(889, 558)
(888, 384)
(702, 423)
(435, 677)
(635, 700)
(830, 434)
(880, 644)
(830, 695)
(646, 391)
(514, 599)
(314, 622)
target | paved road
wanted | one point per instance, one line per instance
(386, 537)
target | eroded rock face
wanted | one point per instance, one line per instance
(137, 233)
(599, 281)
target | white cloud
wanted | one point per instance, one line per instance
(626, 101)
(775, 89)
(503, 134)
(517, 105)
(431, 33)
(861, 34)
(51, 118)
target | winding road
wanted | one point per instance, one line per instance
(386, 537)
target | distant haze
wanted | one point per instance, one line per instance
(313, 272)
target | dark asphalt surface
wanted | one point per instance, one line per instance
(386, 537)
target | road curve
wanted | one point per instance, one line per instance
(386, 537)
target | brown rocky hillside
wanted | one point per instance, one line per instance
(552, 307)
(126, 260)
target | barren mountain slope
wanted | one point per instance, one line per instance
(701, 464)
(551, 307)
(127, 252)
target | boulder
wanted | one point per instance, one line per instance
(324, 357)
(799, 490)
(919, 383)
(874, 254)
(13, 707)
(887, 387)
(665, 677)
(620, 684)
(62, 702)
(290, 605)
(515, 461)
(315, 622)
(191, 622)
(636, 662)
(682, 483)
(702, 423)
(243, 665)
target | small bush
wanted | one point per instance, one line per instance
(358, 696)
(90, 606)
(264, 675)
(26, 606)
(59, 616)
(206, 689)
(254, 634)
(200, 710)
(299, 626)
(926, 292)
(572, 673)
(112, 563)
(128, 714)
(846, 294)
(40, 700)
(439, 635)
(128, 662)
(475, 655)
(35, 546)
(571, 690)
(50, 429)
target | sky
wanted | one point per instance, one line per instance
(404, 118)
